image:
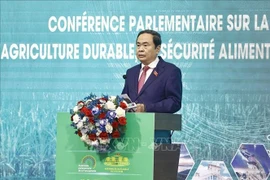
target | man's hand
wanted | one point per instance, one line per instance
(140, 108)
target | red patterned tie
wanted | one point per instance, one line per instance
(142, 78)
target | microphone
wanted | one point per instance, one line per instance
(124, 76)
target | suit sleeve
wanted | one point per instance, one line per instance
(125, 89)
(173, 95)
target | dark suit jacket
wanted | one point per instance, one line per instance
(162, 92)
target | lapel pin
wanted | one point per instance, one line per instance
(155, 73)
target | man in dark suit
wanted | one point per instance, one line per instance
(162, 88)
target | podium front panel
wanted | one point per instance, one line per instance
(75, 162)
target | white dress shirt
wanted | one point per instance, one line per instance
(152, 66)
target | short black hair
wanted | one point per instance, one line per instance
(156, 36)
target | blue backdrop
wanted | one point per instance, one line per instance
(226, 84)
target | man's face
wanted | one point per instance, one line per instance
(146, 51)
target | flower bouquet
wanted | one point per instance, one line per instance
(99, 120)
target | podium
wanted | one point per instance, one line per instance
(135, 156)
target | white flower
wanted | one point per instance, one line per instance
(79, 125)
(110, 105)
(112, 98)
(85, 138)
(76, 118)
(94, 143)
(104, 141)
(109, 128)
(98, 132)
(120, 112)
(76, 109)
(85, 119)
(97, 124)
(84, 131)
(91, 126)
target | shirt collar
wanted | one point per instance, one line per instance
(152, 65)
